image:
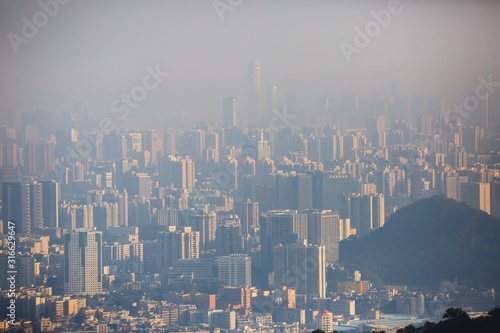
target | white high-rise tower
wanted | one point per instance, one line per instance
(83, 262)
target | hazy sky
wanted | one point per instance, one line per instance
(93, 51)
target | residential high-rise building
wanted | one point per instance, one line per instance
(17, 206)
(9, 155)
(323, 228)
(235, 270)
(83, 262)
(248, 212)
(178, 172)
(30, 158)
(302, 267)
(45, 158)
(206, 225)
(476, 195)
(324, 321)
(230, 112)
(495, 198)
(177, 244)
(367, 213)
(36, 205)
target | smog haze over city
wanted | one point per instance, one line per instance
(249, 166)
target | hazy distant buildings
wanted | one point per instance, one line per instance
(83, 262)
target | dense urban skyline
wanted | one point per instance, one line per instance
(249, 166)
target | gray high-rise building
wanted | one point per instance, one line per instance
(328, 190)
(294, 191)
(17, 206)
(50, 198)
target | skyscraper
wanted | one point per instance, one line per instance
(16, 206)
(323, 228)
(83, 262)
(328, 189)
(36, 205)
(302, 267)
(367, 213)
(272, 98)
(255, 112)
(230, 112)
(206, 225)
(294, 191)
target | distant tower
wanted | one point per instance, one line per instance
(255, 113)
(271, 100)
(230, 112)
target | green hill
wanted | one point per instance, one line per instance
(429, 241)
